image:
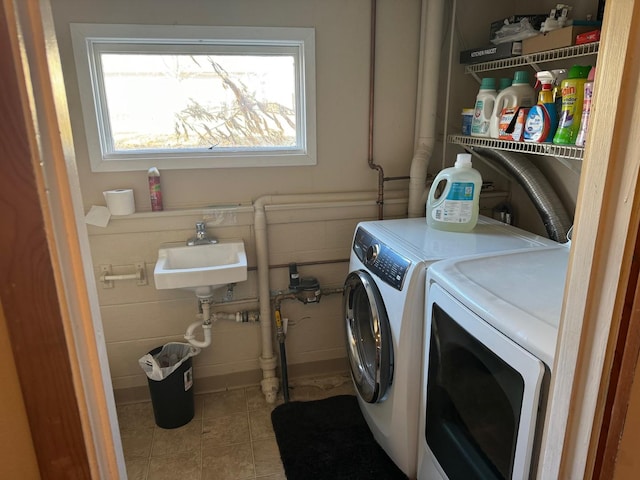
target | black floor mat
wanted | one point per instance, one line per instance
(329, 440)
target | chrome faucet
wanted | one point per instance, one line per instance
(201, 237)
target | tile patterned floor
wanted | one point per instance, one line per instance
(230, 437)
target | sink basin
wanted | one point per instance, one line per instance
(201, 267)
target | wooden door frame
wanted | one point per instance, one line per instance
(45, 285)
(623, 375)
(606, 227)
(49, 314)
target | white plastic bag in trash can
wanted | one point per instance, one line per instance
(171, 356)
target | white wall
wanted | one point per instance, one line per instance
(342, 70)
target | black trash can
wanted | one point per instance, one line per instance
(172, 397)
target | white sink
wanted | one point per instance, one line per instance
(201, 267)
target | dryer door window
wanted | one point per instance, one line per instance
(369, 343)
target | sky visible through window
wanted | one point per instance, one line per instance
(181, 101)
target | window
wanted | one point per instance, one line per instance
(179, 97)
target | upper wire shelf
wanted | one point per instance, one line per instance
(535, 58)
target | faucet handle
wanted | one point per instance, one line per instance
(201, 237)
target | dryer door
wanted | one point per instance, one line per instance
(369, 342)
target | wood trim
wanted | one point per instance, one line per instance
(28, 289)
(17, 454)
(43, 285)
(606, 227)
(622, 377)
(69, 240)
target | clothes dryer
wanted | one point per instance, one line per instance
(383, 305)
(490, 341)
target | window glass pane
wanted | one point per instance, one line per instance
(187, 101)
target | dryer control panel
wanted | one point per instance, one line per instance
(381, 260)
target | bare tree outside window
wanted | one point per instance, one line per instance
(245, 122)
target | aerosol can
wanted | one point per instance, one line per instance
(542, 120)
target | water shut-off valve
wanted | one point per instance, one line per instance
(306, 289)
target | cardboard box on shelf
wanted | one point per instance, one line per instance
(562, 37)
(491, 52)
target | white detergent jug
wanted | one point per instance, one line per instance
(483, 108)
(454, 197)
(519, 94)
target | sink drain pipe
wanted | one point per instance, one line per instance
(205, 324)
(208, 317)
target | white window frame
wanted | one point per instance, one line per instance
(91, 39)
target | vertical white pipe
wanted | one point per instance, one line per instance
(267, 360)
(430, 52)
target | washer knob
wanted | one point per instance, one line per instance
(372, 253)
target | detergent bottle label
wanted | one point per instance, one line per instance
(457, 207)
(479, 126)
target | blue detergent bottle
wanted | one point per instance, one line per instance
(542, 120)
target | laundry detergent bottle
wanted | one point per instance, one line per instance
(542, 120)
(572, 99)
(454, 197)
(483, 108)
(519, 94)
(586, 109)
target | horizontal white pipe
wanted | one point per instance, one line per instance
(235, 316)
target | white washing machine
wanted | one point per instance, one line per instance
(490, 340)
(384, 316)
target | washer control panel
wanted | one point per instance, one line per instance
(381, 260)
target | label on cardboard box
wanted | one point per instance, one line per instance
(491, 52)
(512, 122)
(589, 37)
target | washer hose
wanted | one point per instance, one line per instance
(283, 354)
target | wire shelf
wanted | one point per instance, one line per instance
(535, 58)
(562, 151)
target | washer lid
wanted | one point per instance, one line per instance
(429, 244)
(519, 293)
